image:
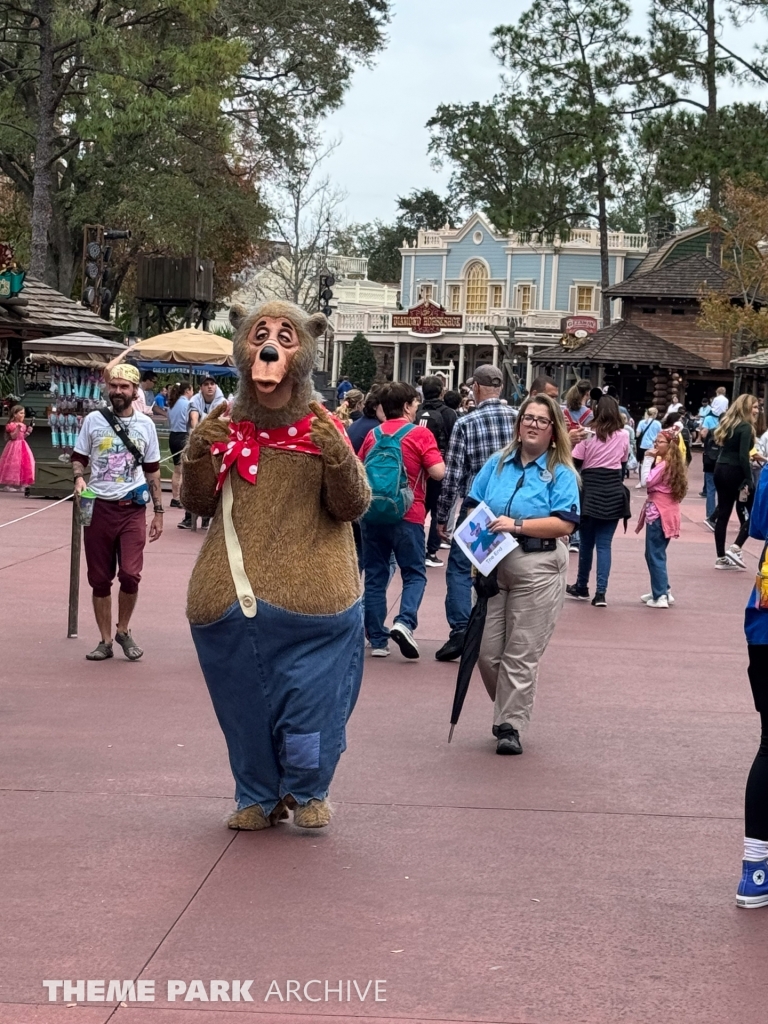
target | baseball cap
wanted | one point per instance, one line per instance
(487, 376)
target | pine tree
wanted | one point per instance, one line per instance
(359, 362)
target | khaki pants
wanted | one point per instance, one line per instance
(520, 622)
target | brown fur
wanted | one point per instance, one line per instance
(293, 524)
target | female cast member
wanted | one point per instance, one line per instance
(667, 486)
(17, 463)
(533, 490)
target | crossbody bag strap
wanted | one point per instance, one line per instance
(243, 589)
(121, 432)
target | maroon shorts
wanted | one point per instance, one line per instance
(116, 536)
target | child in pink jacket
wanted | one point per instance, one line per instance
(667, 485)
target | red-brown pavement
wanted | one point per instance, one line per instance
(590, 880)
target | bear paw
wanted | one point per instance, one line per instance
(315, 814)
(250, 819)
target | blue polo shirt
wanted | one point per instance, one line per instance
(755, 617)
(530, 492)
(649, 435)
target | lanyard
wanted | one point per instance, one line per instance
(518, 485)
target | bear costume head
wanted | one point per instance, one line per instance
(274, 349)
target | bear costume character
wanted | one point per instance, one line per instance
(274, 599)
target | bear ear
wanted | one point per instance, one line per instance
(237, 315)
(316, 324)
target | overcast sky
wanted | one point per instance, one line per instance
(438, 52)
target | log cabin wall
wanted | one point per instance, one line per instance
(680, 327)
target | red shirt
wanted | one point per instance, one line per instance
(420, 451)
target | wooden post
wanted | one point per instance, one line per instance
(74, 570)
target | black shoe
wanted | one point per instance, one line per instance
(451, 649)
(508, 740)
(702, 494)
(175, 503)
(579, 593)
(186, 523)
(599, 600)
(205, 522)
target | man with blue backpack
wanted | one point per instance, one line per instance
(399, 457)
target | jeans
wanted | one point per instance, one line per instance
(711, 491)
(595, 533)
(458, 585)
(406, 542)
(656, 558)
(283, 686)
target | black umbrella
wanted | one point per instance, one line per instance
(485, 587)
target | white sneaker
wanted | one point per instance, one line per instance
(433, 561)
(380, 652)
(727, 563)
(733, 554)
(649, 597)
(403, 637)
(660, 602)
(445, 546)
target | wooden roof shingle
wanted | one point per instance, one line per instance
(625, 342)
(682, 279)
(48, 312)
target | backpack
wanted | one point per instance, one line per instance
(575, 418)
(711, 451)
(392, 496)
(433, 421)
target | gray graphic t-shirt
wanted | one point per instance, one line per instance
(113, 470)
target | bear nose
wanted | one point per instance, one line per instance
(269, 354)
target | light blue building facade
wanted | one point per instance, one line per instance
(484, 279)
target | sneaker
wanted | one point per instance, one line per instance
(380, 652)
(101, 651)
(131, 649)
(445, 545)
(709, 523)
(508, 740)
(649, 597)
(403, 637)
(702, 494)
(726, 563)
(753, 887)
(205, 522)
(577, 593)
(175, 503)
(433, 561)
(660, 602)
(451, 649)
(599, 600)
(186, 523)
(733, 554)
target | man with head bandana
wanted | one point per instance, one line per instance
(120, 445)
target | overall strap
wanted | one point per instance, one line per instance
(243, 589)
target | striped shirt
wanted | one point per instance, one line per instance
(474, 440)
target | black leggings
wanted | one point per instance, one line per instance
(728, 483)
(756, 796)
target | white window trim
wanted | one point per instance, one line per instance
(516, 298)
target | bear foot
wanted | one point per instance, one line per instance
(315, 814)
(250, 819)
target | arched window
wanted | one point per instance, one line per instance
(477, 288)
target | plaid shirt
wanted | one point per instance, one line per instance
(474, 440)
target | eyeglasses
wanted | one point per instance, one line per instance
(536, 421)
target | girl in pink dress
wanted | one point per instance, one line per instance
(17, 463)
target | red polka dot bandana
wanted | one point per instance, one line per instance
(245, 442)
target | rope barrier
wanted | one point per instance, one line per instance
(36, 512)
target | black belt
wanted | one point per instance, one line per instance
(529, 544)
